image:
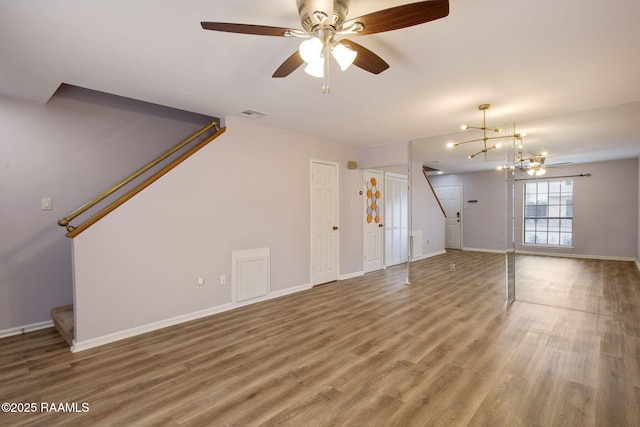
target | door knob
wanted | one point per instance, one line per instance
(335, 227)
(380, 225)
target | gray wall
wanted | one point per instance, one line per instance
(70, 149)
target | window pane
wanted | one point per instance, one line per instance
(548, 213)
(530, 237)
(543, 187)
(541, 224)
(542, 198)
(541, 238)
(554, 211)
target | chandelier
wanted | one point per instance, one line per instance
(536, 162)
(485, 138)
(533, 165)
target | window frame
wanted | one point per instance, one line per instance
(560, 206)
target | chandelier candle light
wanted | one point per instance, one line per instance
(485, 138)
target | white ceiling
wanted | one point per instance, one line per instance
(566, 72)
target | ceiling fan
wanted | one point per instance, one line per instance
(323, 20)
(535, 165)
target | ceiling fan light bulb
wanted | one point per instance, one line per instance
(464, 127)
(498, 145)
(540, 172)
(530, 172)
(316, 68)
(344, 56)
(310, 50)
(471, 156)
(451, 144)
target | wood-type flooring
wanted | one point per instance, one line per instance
(445, 350)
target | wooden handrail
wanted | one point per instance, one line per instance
(424, 172)
(74, 231)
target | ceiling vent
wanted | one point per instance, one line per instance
(252, 114)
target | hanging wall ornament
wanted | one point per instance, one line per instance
(373, 196)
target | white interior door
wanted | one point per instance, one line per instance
(324, 222)
(396, 213)
(373, 220)
(450, 197)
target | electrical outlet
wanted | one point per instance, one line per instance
(223, 279)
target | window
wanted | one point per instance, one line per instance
(548, 213)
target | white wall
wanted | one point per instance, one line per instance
(247, 189)
(70, 149)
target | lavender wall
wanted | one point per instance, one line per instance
(246, 190)
(426, 214)
(483, 223)
(605, 210)
(69, 149)
(605, 206)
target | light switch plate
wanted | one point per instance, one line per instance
(46, 203)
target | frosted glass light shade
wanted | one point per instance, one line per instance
(310, 50)
(344, 56)
(316, 68)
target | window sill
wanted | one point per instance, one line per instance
(530, 245)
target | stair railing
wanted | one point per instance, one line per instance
(73, 231)
(424, 172)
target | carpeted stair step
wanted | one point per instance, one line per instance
(63, 321)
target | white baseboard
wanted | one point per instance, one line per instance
(638, 263)
(493, 251)
(26, 328)
(138, 330)
(565, 255)
(351, 275)
(429, 255)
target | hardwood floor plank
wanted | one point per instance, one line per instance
(445, 350)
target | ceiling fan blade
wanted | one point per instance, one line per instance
(289, 65)
(259, 30)
(366, 59)
(403, 16)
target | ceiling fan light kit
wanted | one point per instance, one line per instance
(323, 20)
